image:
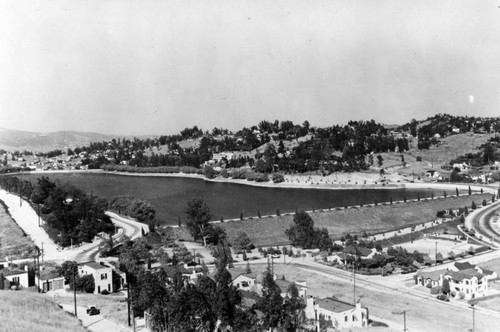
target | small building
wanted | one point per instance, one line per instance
(361, 252)
(434, 278)
(15, 277)
(49, 280)
(103, 276)
(340, 314)
(245, 282)
(285, 284)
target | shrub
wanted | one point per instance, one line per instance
(436, 290)
(277, 178)
(419, 158)
(461, 295)
(484, 202)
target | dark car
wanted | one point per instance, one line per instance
(92, 310)
(443, 297)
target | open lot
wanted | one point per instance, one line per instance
(428, 246)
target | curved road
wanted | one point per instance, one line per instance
(480, 221)
(26, 217)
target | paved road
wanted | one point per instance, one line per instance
(96, 323)
(478, 220)
(26, 217)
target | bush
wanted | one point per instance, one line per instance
(436, 290)
(277, 178)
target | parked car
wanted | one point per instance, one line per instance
(92, 310)
(443, 297)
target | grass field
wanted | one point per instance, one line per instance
(13, 242)
(270, 231)
(25, 311)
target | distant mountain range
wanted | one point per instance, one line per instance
(11, 140)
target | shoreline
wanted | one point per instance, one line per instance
(303, 181)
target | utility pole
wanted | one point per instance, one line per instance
(354, 289)
(38, 269)
(74, 288)
(404, 321)
(436, 253)
(473, 317)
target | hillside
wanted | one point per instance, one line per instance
(25, 311)
(42, 142)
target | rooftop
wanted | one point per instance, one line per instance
(95, 266)
(334, 305)
(8, 272)
(433, 275)
(463, 266)
(465, 274)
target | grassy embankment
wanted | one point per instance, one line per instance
(24, 311)
(270, 231)
(13, 241)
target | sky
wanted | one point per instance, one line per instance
(146, 67)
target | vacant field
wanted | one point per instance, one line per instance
(13, 242)
(25, 311)
(270, 231)
(428, 246)
(111, 306)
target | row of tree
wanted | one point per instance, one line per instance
(70, 215)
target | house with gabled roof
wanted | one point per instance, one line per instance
(245, 282)
(361, 252)
(285, 284)
(341, 314)
(434, 278)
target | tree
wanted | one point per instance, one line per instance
(85, 283)
(380, 160)
(303, 234)
(293, 309)
(67, 270)
(198, 215)
(446, 286)
(242, 243)
(271, 302)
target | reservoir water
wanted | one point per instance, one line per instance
(169, 195)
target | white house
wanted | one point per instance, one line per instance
(245, 282)
(15, 277)
(471, 283)
(340, 314)
(103, 276)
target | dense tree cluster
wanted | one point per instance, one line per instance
(303, 233)
(133, 207)
(71, 216)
